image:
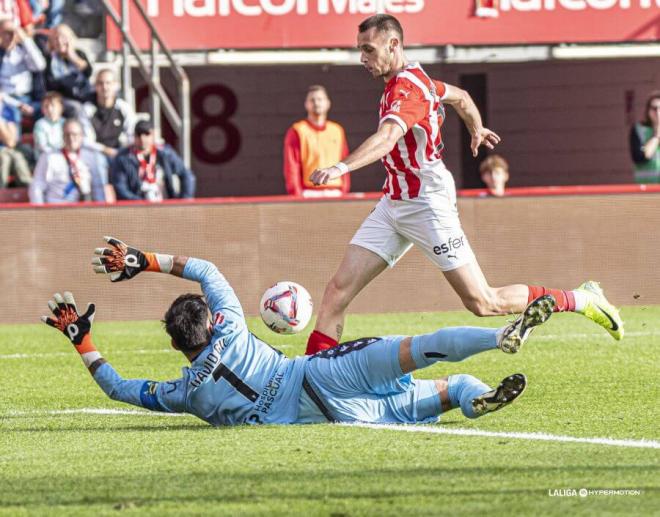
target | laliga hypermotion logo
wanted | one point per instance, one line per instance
(205, 8)
(492, 8)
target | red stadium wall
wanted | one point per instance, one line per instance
(561, 122)
(557, 241)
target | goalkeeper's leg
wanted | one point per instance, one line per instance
(476, 398)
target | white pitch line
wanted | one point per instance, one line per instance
(544, 437)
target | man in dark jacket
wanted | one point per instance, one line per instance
(147, 171)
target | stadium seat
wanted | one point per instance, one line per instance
(14, 195)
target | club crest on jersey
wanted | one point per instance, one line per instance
(396, 107)
(218, 318)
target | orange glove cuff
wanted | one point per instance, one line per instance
(86, 345)
(152, 263)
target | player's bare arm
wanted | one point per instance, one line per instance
(122, 262)
(461, 101)
(371, 150)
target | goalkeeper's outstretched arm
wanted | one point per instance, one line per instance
(122, 262)
(156, 396)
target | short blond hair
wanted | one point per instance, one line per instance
(492, 162)
(64, 29)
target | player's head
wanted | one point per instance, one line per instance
(72, 133)
(187, 323)
(652, 113)
(317, 101)
(494, 172)
(52, 105)
(380, 40)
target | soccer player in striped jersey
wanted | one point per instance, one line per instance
(419, 202)
(235, 378)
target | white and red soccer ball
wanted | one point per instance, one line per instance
(286, 308)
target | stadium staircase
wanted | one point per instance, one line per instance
(148, 64)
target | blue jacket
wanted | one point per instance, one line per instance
(125, 177)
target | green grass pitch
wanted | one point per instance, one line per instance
(581, 384)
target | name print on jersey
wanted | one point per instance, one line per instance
(209, 364)
(269, 394)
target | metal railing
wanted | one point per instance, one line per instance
(180, 121)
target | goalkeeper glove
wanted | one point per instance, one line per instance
(74, 326)
(122, 262)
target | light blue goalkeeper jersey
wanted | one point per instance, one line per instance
(236, 379)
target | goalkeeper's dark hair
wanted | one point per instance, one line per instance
(187, 322)
(382, 23)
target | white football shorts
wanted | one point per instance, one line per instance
(430, 223)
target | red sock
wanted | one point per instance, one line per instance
(318, 341)
(565, 299)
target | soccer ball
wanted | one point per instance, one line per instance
(286, 308)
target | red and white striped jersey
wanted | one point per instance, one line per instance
(414, 166)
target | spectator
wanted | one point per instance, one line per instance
(644, 142)
(67, 69)
(12, 162)
(494, 172)
(68, 175)
(48, 130)
(48, 12)
(26, 18)
(147, 171)
(111, 118)
(86, 7)
(20, 58)
(314, 143)
(19, 12)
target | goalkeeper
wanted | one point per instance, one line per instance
(235, 378)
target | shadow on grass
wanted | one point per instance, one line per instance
(48, 427)
(226, 486)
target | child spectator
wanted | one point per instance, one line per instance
(48, 129)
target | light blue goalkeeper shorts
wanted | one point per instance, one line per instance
(362, 381)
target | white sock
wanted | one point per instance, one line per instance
(581, 299)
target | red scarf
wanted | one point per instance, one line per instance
(147, 170)
(73, 160)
